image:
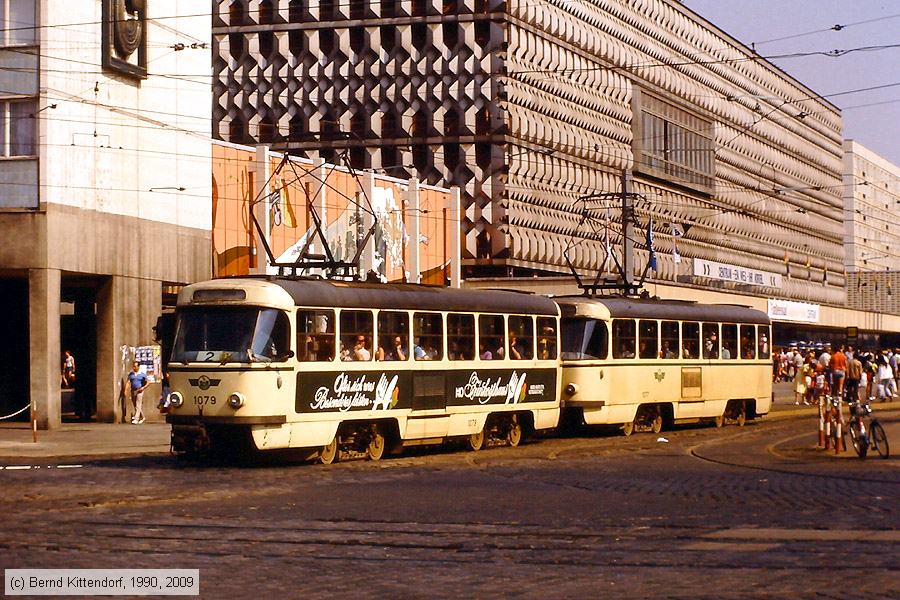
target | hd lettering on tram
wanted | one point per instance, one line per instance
(500, 386)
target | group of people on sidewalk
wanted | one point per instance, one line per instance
(848, 372)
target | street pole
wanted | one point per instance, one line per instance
(627, 230)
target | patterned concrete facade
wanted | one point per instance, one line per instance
(529, 105)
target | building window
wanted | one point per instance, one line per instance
(674, 144)
(19, 127)
(17, 20)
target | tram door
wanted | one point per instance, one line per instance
(428, 418)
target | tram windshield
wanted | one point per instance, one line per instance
(231, 334)
(584, 339)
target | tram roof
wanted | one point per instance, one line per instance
(313, 292)
(655, 308)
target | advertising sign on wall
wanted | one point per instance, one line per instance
(735, 274)
(788, 310)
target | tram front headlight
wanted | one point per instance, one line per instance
(176, 399)
(571, 389)
(236, 400)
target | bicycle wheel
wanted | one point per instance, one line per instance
(858, 438)
(879, 439)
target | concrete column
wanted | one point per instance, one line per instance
(412, 217)
(111, 405)
(127, 309)
(367, 258)
(44, 345)
(455, 241)
(262, 172)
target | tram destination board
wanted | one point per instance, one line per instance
(344, 391)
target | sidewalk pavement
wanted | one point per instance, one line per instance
(83, 440)
(107, 440)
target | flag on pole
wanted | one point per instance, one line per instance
(650, 248)
(677, 234)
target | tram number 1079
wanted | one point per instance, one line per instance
(204, 400)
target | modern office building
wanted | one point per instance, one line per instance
(529, 106)
(104, 188)
(871, 230)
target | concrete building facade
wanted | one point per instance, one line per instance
(104, 188)
(871, 230)
(529, 106)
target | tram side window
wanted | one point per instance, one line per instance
(356, 335)
(764, 344)
(460, 337)
(521, 338)
(623, 331)
(393, 336)
(710, 340)
(690, 340)
(729, 341)
(315, 335)
(490, 337)
(748, 341)
(584, 339)
(546, 338)
(428, 334)
(648, 339)
(669, 334)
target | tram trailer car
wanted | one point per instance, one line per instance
(340, 367)
(644, 364)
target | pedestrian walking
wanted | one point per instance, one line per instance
(139, 383)
(68, 370)
(884, 376)
(854, 376)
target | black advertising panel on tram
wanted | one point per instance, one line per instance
(345, 391)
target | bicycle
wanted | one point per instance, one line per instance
(862, 440)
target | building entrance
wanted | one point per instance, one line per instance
(14, 385)
(78, 336)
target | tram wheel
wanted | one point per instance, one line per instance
(656, 424)
(742, 415)
(719, 421)
(330, 453)
(628, 428)
(514, 433)
(475, 442)
(377, 444)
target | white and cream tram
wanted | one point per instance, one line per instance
(353, 367)
(643, 363)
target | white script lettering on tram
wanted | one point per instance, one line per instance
(347, 393)
(484, 390)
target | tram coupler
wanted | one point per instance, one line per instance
(189, 439)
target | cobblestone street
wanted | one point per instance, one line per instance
(711, 513)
